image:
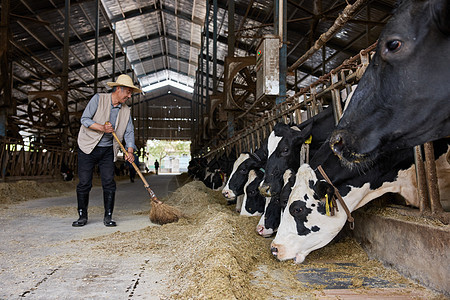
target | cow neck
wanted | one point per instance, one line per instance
(341, 200)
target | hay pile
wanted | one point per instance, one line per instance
(216, 254)
(22, 190)
(11, 192)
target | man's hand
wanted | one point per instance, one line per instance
(108, 128)
(129, 155)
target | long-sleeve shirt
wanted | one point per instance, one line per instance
(107, 139)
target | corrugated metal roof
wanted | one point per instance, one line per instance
(159, 40)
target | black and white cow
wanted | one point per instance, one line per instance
(305, 226)
(241, 167)
(253, 202)
(197, 168)
(403, 98)
(214, 180)
(284, 145)
(270, 219)
(212, 172)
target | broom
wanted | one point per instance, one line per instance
(160, 213)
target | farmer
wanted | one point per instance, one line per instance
(96, 144)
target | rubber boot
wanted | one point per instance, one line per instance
(83, 201)
(108, 200)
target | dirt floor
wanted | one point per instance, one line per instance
(212, 253)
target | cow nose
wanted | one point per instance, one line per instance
(225, 194)
(274, 251)
(259, 229)
(337, 142)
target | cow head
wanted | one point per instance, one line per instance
(253, 202)
(239, 175)
(402, 99)
(304, 225)
(283, 146)
(270, 220)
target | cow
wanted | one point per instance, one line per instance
(284, 145)
(212, 172)
(241, 167)
(197, 168)
(214, 180)
(402, 100)
(270, 219)
(253, 202)
(305, 225)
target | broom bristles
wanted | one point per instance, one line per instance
(161, 213)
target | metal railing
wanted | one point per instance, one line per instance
(19, 160)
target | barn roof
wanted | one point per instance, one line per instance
(158, 41)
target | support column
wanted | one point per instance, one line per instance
(208, 104)
(214, 46)
(97, 30)
(65, 74)
(280, 26)
(124, 60)
(6, 67)
(231, 42)
(114, 53)
(202, 87)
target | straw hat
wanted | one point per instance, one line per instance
(125, 80)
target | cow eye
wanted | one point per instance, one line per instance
(243, 171)
(393, 45)
(285, 151)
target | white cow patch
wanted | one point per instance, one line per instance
(226, 191)
(272, 143)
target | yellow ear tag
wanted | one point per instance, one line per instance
(327, 205)
(308, 141)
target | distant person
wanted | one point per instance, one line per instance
(96, 146)
(156, 166)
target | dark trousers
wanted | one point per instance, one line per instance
(104, 158)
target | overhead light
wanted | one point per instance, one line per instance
(166, 83)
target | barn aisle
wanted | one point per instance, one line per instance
(33, 232)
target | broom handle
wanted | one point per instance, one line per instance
(146, 185)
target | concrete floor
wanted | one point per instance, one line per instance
(29, 241)
(43, 257)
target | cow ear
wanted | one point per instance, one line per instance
(322, 189)
(304, 134)
(440, 10)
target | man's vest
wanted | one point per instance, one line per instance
(88, 138)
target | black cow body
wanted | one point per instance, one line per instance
(403, 98)
(253, 202)
(285, 143)
(284, 146)
(212, 173)
(270, 220)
